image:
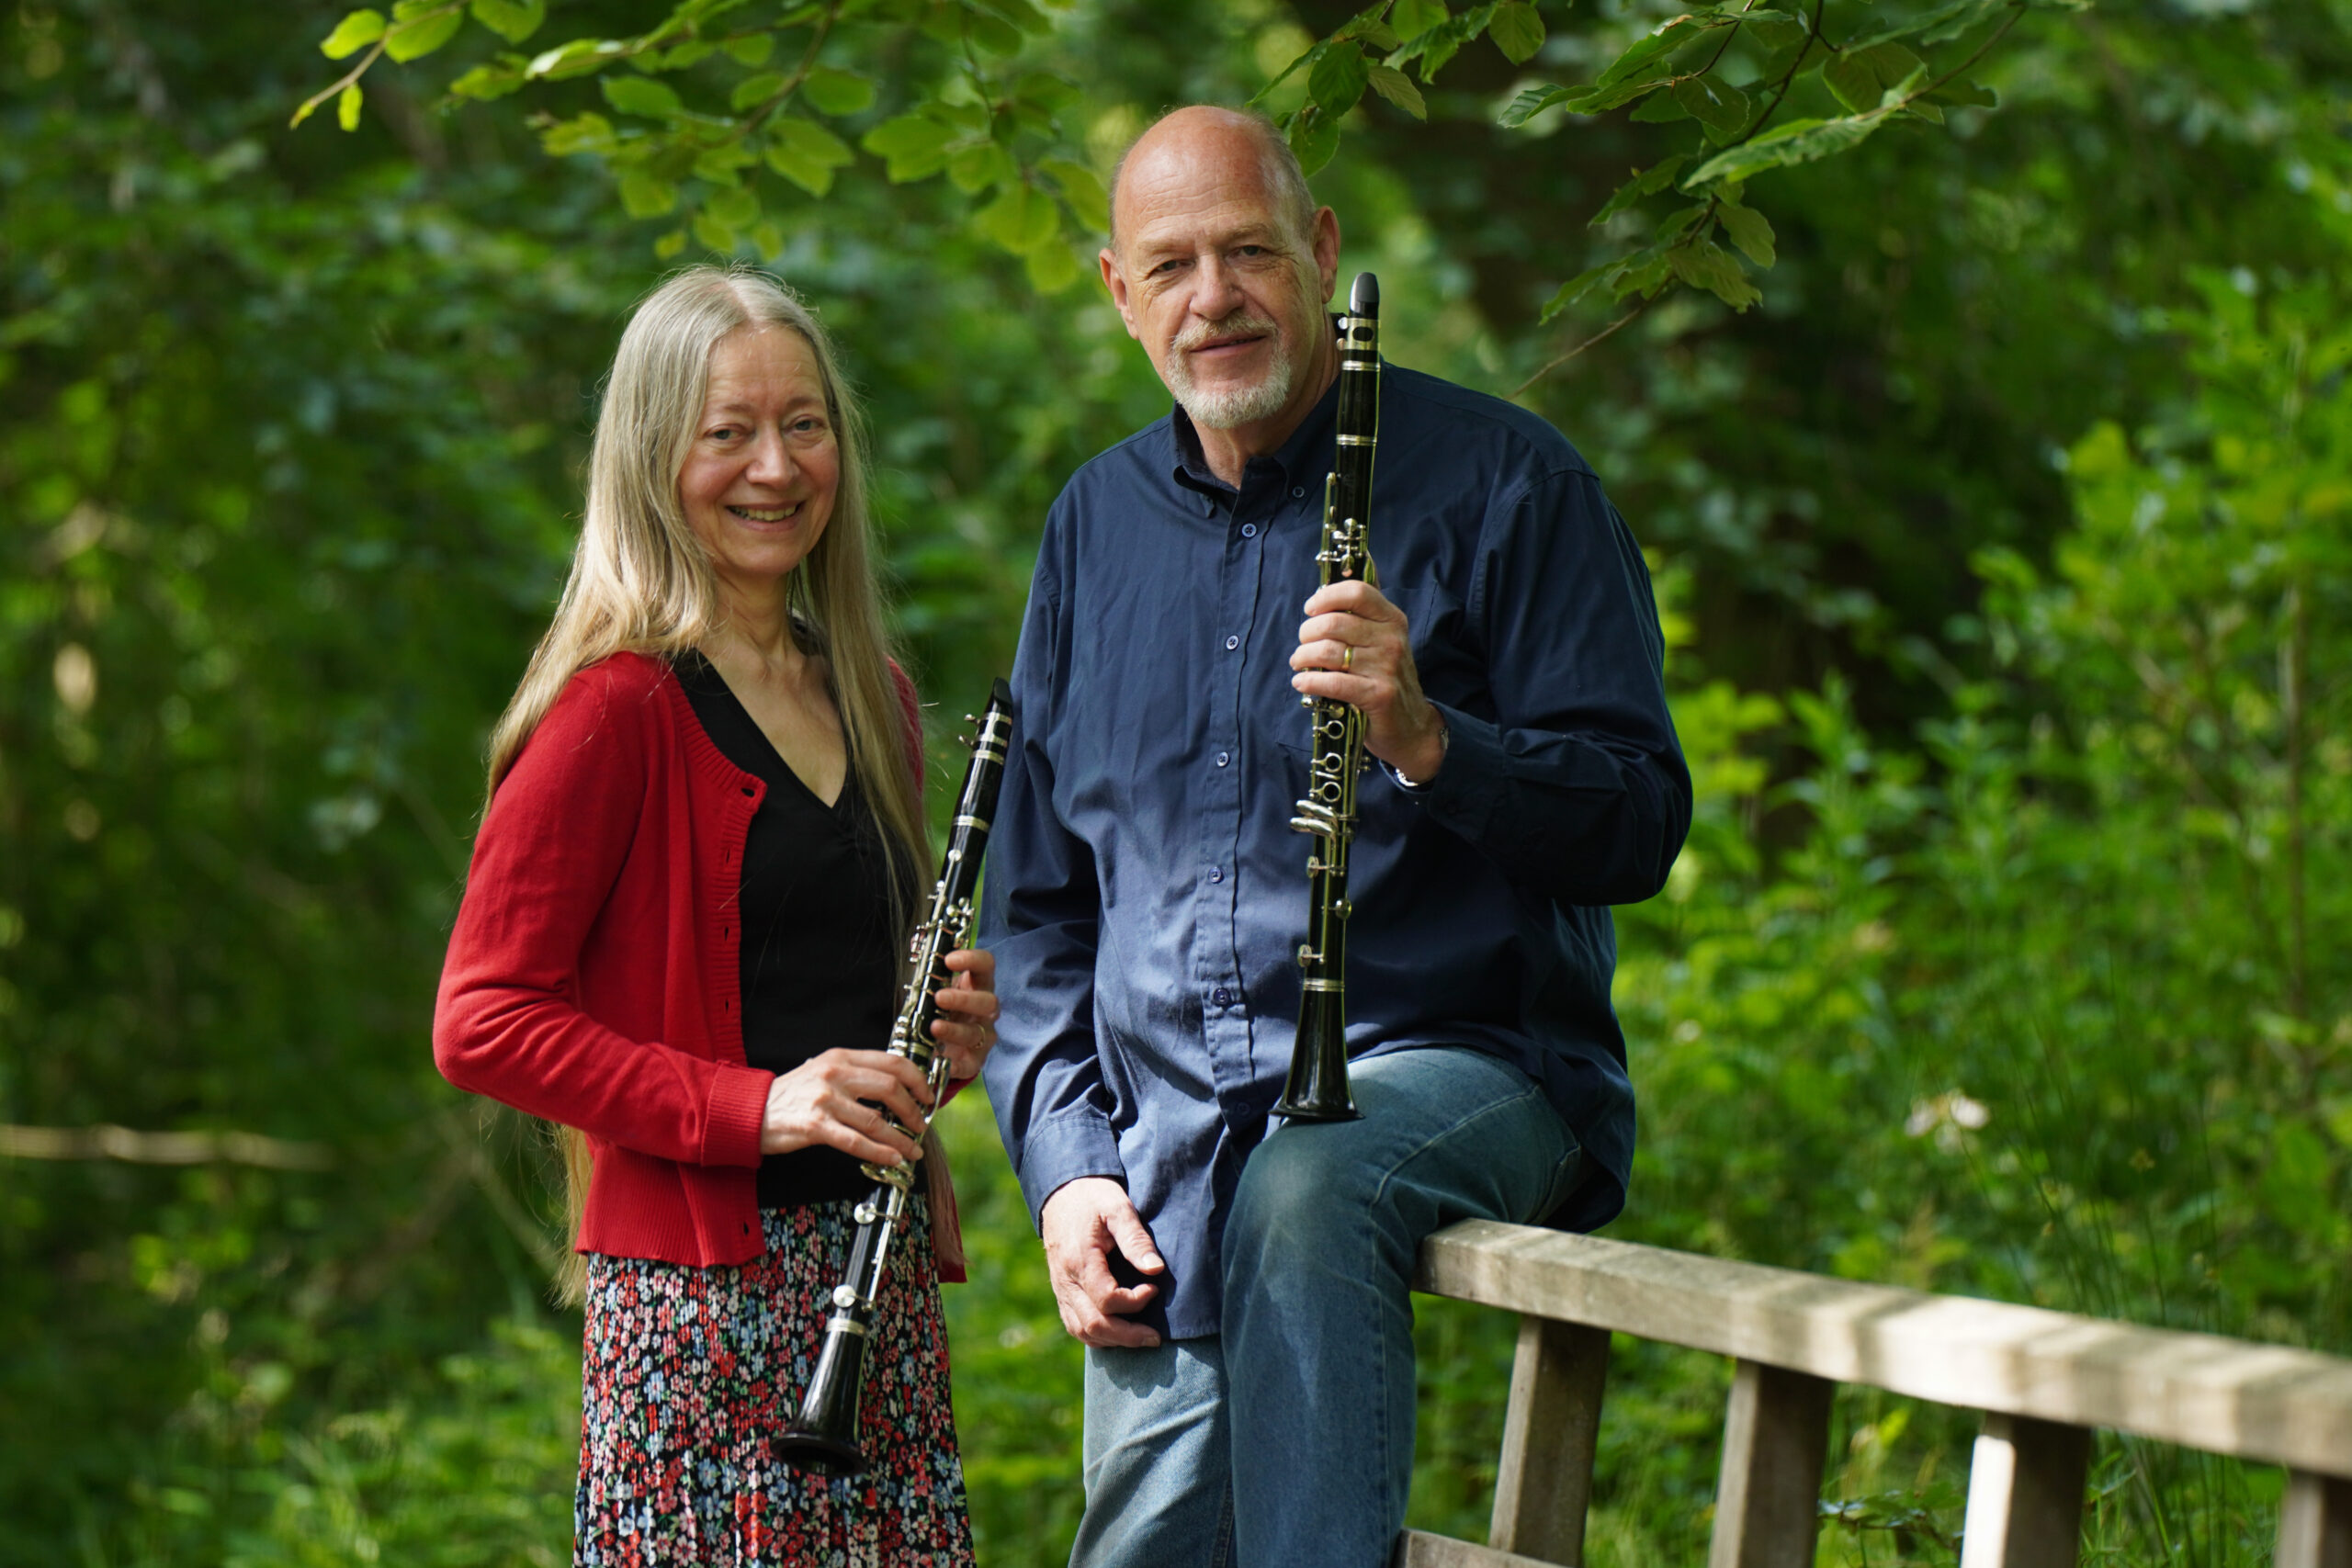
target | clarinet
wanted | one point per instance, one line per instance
(1316, 1089)
(823, 1437)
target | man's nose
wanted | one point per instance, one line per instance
(1216, 293)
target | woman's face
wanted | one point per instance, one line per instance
(757, 485)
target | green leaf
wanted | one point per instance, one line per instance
(642, 95)
(994, 34)
(1020, 14)
(645, 195)
(1049, 92)
(753, 52)
(1600, 100)
(914, 146)
(1709, 266)
(1398, 89)
(351, 34)
(578, 58)
(486, 82)
(1528, 105)
(513, 20)
(1338, 80)
(1862, 77)
(1716, 103)
(413, 40)
(1516, 30)
(670, 244)
(1968, 93)
(1314, 137)
(713, 233)
(1850, 79)
(1082, 189)
(1051, 268)
(1411, 18)
(1749, 231)
(1651, 47)
(974, 168)
(1938, 24)
(733, 206)
(347, 108)
(1644, 273)
(838, 92)
(722, 164)
(584, 134)
(1799, 142)
(1575, 289)
(1646, 182)
(807, 153)
(1441, 43)
(1660, 108)
(1021, 220)
(753, 90)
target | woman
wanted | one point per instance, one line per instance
(682, 937)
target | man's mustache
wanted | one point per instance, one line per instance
(1239, 325)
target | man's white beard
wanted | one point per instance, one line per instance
(1232, 406)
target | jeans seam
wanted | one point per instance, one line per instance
(1424, 1146)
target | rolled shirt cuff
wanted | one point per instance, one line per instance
(1059, 1152)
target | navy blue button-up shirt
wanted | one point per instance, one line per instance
(1145, 894)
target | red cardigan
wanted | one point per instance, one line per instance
(592, 976)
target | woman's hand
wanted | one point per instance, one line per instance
(965, 1027)
(838, 1099)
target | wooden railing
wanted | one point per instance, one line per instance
(2043, 1379)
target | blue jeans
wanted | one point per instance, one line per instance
(1286, 1441)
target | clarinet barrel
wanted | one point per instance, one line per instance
(823, 1435)
(1317, 1088)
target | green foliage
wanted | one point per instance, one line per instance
(2003, 554)
(965, 104)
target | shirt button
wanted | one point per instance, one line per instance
(1220, 996)
(1223, 757)
(1217, 874)
(1231, 643)
(1248, 531)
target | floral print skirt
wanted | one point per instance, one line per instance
(690, 1372)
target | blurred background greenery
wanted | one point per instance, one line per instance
(2006, 556)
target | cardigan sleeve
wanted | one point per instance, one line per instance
(549, 854)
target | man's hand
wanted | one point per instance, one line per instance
(1356, 648)
(1082, 1221)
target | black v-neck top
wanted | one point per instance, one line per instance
(818, 963)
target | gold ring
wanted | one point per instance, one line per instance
(1348, 656)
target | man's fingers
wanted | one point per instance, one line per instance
(1127, 1228)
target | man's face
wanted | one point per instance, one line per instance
(1214, 279)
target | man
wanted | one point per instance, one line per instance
(1243, 1295)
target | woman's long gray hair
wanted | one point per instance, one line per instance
(642, 582)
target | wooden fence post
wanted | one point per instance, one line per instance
(2025, 1494)
(2316, 1522)
(1550, 1430)
(1776, 1436)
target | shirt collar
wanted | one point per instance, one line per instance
(1192, 467)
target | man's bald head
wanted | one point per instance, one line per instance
(1201, 136)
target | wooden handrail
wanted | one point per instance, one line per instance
(2043, 1379)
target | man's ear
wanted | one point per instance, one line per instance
(1117, 282)
(1326, 230)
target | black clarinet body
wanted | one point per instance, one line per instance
(1317, 1088)
(824, 1437)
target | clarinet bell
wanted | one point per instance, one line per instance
(823, 1438)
